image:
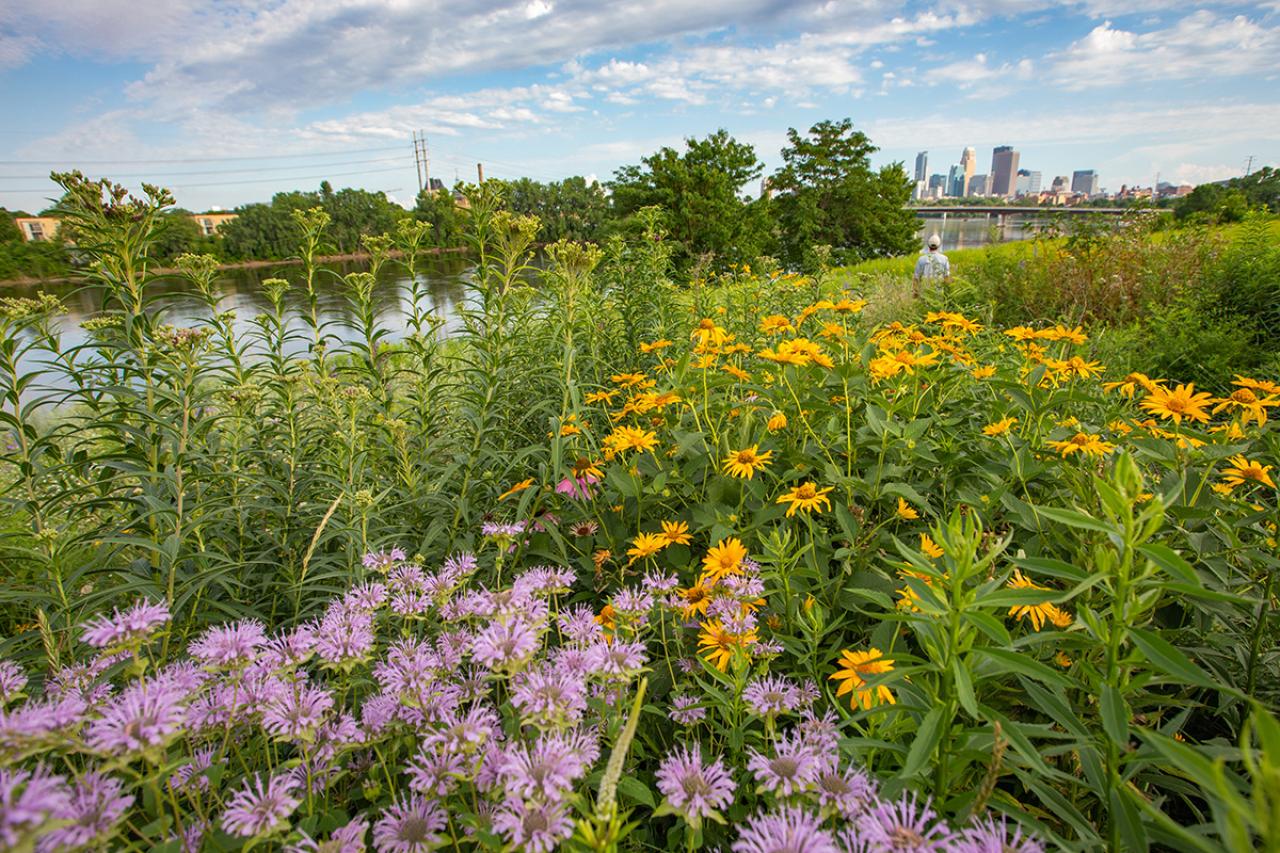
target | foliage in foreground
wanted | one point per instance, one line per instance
(872, 573)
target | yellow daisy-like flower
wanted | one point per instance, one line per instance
(986, 371)
(607, 618)
(1129, 386)
(627, 380)
(646, 545)
(720, 646)
(852, 667)
(1084, 443)
(516, 489)
(655, 346)
(745, 463)
(849, 306)
(1182, 402)
(1262, 386)
(600, 396)
(1000, 427)
(806, 497)
(708, 334)
(724, 559)
(695, 598)
(905, 510)
(776, 324)
(629, 438)
(676, 532)
(736, 372)
(1243, 471)
(930, 547)
(776, 421)
(1037, 613)
(1249, 404)
(569, 428)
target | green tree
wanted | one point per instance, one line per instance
(440, 208)
(179, 233)
(699, 190)
(827, 193)
(9, 231)
(571, 209)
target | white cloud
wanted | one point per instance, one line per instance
(1198, 45)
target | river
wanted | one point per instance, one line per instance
(967, 232)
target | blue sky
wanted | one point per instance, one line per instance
(231, 101)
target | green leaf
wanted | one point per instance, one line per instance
(1072, 518)
(1020, 663)
(636, 790)
(1115, 715)
(1170, 660)
(1169, 560)
(927, 737)
(964, 687)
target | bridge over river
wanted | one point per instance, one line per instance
(964, 226)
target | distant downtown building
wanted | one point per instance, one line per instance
(1085, 182)
(955, 182)
(968, 165)
(978, 186)
(1004, 171)
(1028, 182)
(922, 166)
(1060, 184)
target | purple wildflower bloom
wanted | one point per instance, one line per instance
(410, 603)
(258, 809)
(97, 803)
(766, 648)
(573, 661)
(689, 665)
(504, 644)
(296, 712)
(686, 711)
(436, 773)
(191, 775)
(622, 660)
(345, 637)
(809, 692)
(578, 488)
(549, 697)
(693, 788)
(579, 625)
(35, 720)
(658, 582)
(229, 645)
(771, 695)
(12, 680)
(366, 596)
(905, 824)
(380, 711)
(544, 580)
(724, 608)
(412, 825)
(121, 629)
(634, 604)
(287, 650)
(533, 827)
(990, 836)
(28, 799)
(459, 566)
(790, 830)
(792, 769)
(546, 768)
(383, 560)
(345, 839)
(144, 716)
(407, 578)
(409, 664)
(493, 528)
(849, 793)
(742, 622)
(743, 587)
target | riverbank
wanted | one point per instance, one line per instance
(348, 257)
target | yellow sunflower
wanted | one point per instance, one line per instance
(746, 462)
(1182, 402)
(1243, 471)
(1040, 613)
(676, 532)
(906, 511)
(856, 665)
(516, 489)
(806, 497)
(1000, 427)
(646, 545)
(724, 559)
(719, 645)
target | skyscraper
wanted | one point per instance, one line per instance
(922, 166)
(955, 182)
(1085, 181)
(1028, 182)
(1004, 171)
(968, 165)
(978, 185)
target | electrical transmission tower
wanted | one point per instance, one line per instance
(421, 160)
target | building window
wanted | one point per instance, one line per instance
(35, 231)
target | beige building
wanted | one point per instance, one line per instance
(210, 222)
(37, 228)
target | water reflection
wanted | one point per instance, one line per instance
(967, 232)
(441, 289)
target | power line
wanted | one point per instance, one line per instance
(205, 159)
(150, 175)
(253, 181)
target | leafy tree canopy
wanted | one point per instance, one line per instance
(571, 209)
(828, 194)
(700, 191)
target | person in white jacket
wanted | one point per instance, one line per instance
(932, 264)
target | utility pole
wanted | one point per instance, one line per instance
(1248, 166)
(480, 172)
(421, 161)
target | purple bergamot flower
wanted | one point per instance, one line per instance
(692, 788)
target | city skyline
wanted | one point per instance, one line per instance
(230, 103)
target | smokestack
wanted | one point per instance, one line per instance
(480, 171)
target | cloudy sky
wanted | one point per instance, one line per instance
(230, 101)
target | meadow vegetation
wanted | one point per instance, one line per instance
(630, 561)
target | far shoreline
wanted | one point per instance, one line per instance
(27, 281)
